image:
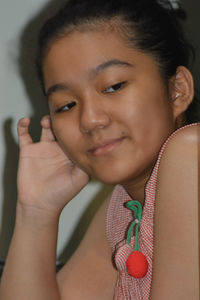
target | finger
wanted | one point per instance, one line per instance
(47, 134)
(23, 133)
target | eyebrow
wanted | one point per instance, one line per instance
(92, 73)
(56, 88)
(107, 64)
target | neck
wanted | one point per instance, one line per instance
(136, 188)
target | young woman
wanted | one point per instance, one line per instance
(116, 77)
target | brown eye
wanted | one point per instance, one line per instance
(65, 107)
(114, 88)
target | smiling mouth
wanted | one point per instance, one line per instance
(105, 147)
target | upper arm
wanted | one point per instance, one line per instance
(176, 225)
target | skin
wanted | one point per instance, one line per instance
(133, 122)
(176, 221)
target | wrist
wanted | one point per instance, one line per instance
(36, 217)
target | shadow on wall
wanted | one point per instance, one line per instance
(9, 188)
(39, 108)
(39, 105)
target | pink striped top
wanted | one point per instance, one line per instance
(118, 221)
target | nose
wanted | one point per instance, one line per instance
(93, 115)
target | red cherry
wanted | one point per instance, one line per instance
(137, 264)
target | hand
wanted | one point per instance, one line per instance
(47, 178)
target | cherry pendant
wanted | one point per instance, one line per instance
(137, 264)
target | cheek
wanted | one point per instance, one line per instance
(149, 118)
(66, 134)
(151, 107)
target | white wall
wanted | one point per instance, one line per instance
(20, 96)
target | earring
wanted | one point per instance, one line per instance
(177, 95)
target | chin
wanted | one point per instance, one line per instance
(124, 173)
(114, 177)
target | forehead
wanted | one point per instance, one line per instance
(78, 52)
(84, 45)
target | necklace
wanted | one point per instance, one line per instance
(136, 263)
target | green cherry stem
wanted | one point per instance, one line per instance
(136, 207)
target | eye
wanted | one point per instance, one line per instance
(65, 107)
(114, 88)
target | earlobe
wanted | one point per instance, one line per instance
(182, 91)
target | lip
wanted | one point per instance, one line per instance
(105, 146)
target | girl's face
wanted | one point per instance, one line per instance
(109, 106)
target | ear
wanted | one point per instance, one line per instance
(181, 91)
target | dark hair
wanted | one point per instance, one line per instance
(148, 25)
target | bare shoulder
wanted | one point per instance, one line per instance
(189, 136)
(180, 155)
(176, 218)
(178, 169)
(186, 138)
